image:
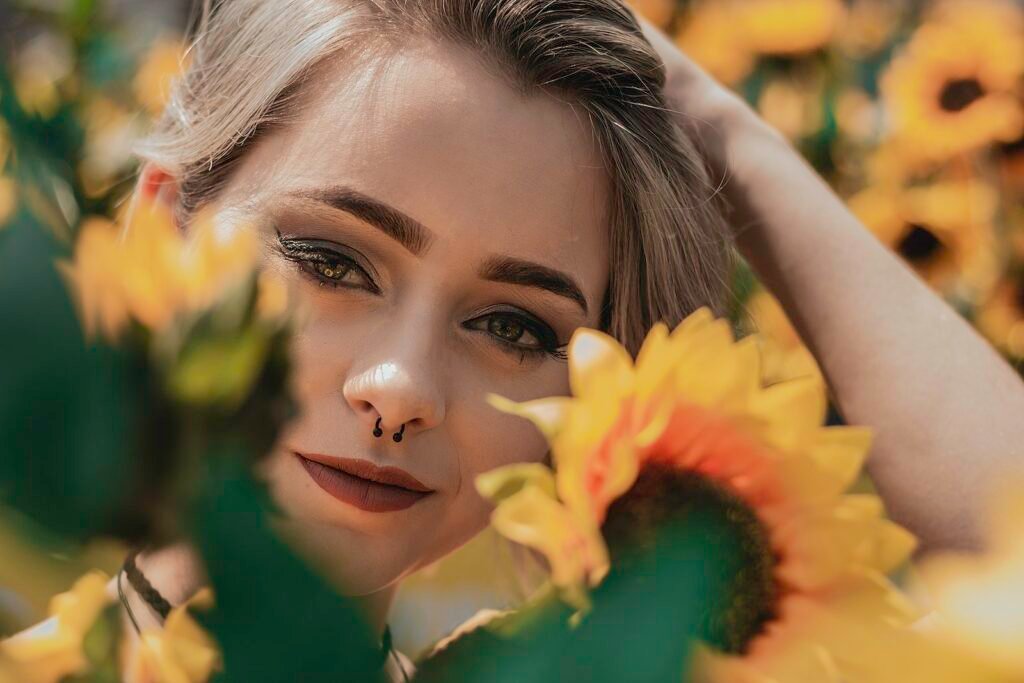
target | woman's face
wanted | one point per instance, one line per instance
(448, 235)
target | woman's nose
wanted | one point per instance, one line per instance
(388, 397)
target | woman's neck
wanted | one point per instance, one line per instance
(176, 571)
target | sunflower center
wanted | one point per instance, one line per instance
(663, 494)
(960, 93)
(919, 244)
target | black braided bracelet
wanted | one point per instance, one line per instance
(144, 588)
(159, 603)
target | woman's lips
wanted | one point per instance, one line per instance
(363, 484)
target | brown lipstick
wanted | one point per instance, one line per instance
(364, 485)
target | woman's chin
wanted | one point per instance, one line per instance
(356, 565)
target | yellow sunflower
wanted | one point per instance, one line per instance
(1001, 317)
(111, 132)
(1010, 158)
(953, 89)
(179, 652)
(857, 115)
(150, 272)
(8, 199)
(53, 649)
(708, 35)
(43, 73)
(793, 106)
(164, 62)
(783, 354)
(693, 406)
(786, 26)
(868, 26)
(658, 12)
(944, 230)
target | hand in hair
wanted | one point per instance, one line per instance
(944, 405)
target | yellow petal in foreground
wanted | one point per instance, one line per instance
(94, 280)
(181, 652)
(981, 598)
(8, 199)
(576, 555)
(692, 419)
(598, 363)
(53, 649)
(502, 483)
(547, 414)
(151, 272)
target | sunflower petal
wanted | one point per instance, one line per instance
(598, 363)
(499, 484)
(548, 414)
(824, 544)
(531, 517)
(790, 411)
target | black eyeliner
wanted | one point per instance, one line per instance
(304, 252)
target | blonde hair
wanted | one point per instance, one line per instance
(670, 246)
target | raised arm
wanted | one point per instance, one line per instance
(947, 410)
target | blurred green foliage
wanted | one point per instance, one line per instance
(644, 617)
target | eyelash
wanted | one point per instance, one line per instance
(306, 257)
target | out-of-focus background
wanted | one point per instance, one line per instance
(912, 110)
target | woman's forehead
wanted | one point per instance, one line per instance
(434, 134)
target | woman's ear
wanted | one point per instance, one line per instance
(157, 185)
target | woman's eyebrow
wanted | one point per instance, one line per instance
(407, 231)
(416, 238)
(516, 271)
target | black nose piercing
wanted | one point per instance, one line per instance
(377, 431)
(397, 436)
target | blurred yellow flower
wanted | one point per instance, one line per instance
(783, 354)
(111, 132)
(53, 649)
(1010, 157)
(953, 87)
(1000, 318)
(792, 107)
(8, 199)
(708, 35)
(786, 26)
(694, 402)
(980, 599)
(725, 36)
(658, 12)
(857, 115)
(890, 164)
(40, 68)
(151, 272)
(943, 229)
(180, 652)
(165, 62)
(868, 26)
